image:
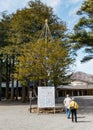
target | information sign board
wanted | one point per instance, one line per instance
(46, 97)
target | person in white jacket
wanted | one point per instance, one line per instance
(66, 102)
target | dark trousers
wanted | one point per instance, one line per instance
(74, 115)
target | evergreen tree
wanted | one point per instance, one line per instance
(47, 61)
(21, 51)
(83, 30)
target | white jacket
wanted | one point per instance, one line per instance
(67, 101)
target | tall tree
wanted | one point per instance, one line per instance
(4, 33)
(49, 61)
(25, 27)
(83, 30)
(26, 24)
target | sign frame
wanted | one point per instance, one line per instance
(46, 97)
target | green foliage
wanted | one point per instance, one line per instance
(44, 60)
(27, 23)
(33, 60)
(83, 30)
(4, 30)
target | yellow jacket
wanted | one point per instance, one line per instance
(73, 104)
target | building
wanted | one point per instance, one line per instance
(82, 84)
(15, 85)
(17, 89)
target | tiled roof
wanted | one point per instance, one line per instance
(75, 87)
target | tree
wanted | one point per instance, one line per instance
(83, 30)
(24, 29)
(4, 64)
(26, 24)
(44, 60)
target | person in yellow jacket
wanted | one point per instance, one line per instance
(73, 106)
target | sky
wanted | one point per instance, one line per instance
(65, 10)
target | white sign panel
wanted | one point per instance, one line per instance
(46, 97)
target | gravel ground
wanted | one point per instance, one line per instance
(16, 116)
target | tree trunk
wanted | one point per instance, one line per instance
(0, 80)
(23, 94)
(12, 87)
(17, 90)
(7, 79)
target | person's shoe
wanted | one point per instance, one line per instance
(68, 117)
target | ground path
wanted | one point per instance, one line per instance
(15, 116)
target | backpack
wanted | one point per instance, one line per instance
(75, 106)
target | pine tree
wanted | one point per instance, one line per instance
(83, 30)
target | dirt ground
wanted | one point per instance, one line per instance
(16, 116)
